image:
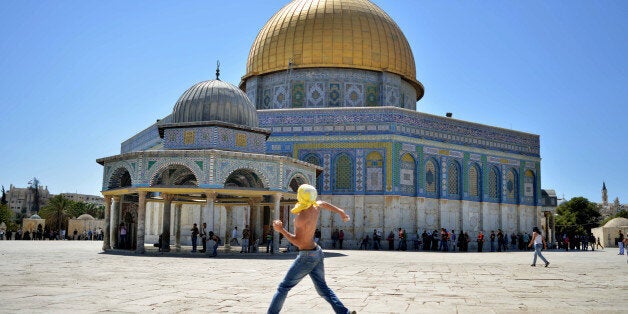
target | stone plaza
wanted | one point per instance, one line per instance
(77, 276)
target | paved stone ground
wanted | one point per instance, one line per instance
(76, 276)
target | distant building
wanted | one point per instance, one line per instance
(22, 200)
(85, 198)
(609, 209)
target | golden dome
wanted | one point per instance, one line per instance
(354, 34)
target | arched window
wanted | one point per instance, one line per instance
(453, 178)
(474, 181)
(493, 183)
(343, 173)
(374, 172)
(406, 175)
(431, 177)
(512, 186)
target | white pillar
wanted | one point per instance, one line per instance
(106, 245)
(141, 224)
(275, 215)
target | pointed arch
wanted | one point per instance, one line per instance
(512, 185)
(174, 174)
(120, 178)
(244, 178)
(432, 178)
(529, 187)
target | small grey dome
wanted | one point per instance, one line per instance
(35, 216)
(215, 100)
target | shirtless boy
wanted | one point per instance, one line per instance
(310, 258)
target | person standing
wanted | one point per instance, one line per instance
(539, 243)
(620, 243)
(246, 234)
(480, 241)
(203, 234)
(492, 238)
(391, 241)
(216, 239)
(234, 236)
(310, 260)
(269, 242)
(334, 238)
(599, 243)
(194, 236)
(341, 238)
(317, 236)
(122, 235)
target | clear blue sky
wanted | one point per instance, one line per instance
(79, 77)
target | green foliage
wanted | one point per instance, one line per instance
(577, 216)
(56, 212)
(622, 213)
(6, 216)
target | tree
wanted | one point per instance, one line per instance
(97, 211)
(55, 212)
(3, 201)
(6, 216)
(34, 186)
(577, 216)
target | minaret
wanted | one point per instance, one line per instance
(604, 195)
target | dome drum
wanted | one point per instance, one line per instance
(328, 87)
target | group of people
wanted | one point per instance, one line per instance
(45, 233)
(205, 237)
(579, 242)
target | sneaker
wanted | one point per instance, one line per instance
(546, 264)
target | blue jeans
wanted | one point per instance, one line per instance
(307, 263)
(215, 252)
(537, 252)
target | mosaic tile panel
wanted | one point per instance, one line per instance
(372, 95)
(298, 95)
(354, 95)
(280, 97)
(335, 95)
(315, 94)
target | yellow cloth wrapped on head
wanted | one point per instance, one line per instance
(306, 197)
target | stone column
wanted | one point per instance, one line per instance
(229, 227)
(208, 211)
(275, 215)
(177, 226)
(141, 224)
(115, 217)
(165, 226)
(106, 244)
(253, 219)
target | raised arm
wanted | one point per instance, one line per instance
(335, 209)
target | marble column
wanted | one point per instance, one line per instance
(141, 222)
(275, 215)
(165, 226)
(254, 223)
(106, 244)
(229, 227)
(177, 226)
(209, 214)
(115, 217)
